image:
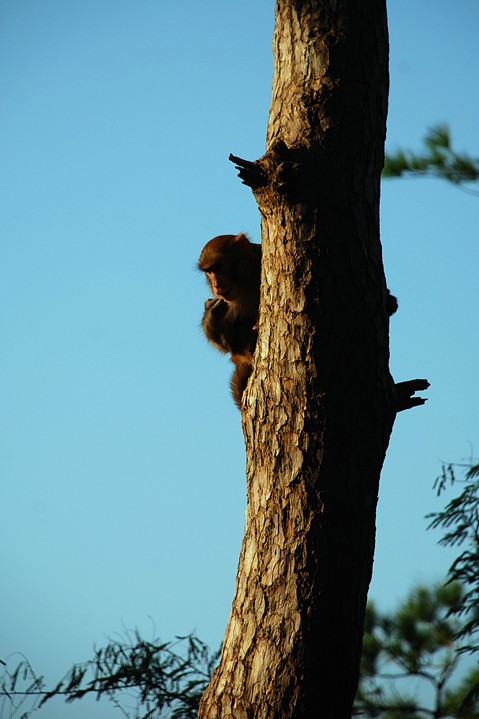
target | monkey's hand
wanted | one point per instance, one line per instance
(212, 303)
(216, 309)
(214, 321)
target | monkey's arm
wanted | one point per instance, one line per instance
(213, 323)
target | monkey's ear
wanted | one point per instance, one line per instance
(241, 240)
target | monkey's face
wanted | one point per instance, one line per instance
(220, 278)
(229, 263)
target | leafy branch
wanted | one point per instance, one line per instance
(416, 647)
(439, 159)
(460, 519)
(164, 678)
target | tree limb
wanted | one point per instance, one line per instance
(405, 390)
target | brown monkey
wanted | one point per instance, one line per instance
(232, 265)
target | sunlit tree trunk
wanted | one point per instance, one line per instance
(320, 404)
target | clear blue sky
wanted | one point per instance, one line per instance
(122, 458)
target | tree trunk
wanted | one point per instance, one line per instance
(320, 404)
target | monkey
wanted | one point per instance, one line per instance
(232, 265)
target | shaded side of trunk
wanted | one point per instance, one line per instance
(320, 403)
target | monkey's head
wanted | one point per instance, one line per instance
(231, 264)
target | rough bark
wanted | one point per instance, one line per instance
(321, 403)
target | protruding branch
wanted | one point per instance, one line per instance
(291, 171)
(251, 173)
(405, 391)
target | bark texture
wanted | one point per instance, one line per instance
(320, 404)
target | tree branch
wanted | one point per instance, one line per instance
(250, 173)
(405, 390)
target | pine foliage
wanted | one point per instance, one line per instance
(438, 159)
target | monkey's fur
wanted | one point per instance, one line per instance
(232, 265)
